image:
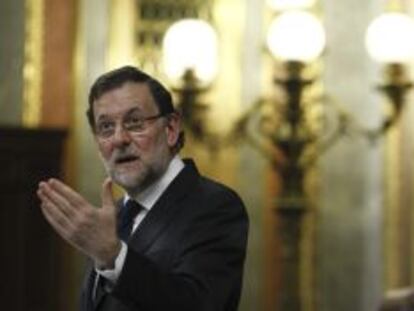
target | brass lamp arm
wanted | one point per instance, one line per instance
(323, 146)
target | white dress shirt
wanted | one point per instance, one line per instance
(147, 199)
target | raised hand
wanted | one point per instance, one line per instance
(90, 229)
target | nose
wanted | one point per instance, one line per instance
(121, 136)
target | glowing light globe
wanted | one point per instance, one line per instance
(390, 38)
(190, 44)
(296, 36)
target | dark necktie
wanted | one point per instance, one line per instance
(126, 219)
(128, 213)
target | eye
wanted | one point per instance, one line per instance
(134, 123)
(105, 128)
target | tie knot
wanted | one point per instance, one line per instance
(128, 214)
(132, 208)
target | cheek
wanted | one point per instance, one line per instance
(145, 148)
(105, 150)
(146, 144)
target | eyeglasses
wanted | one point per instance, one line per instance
(131, 123)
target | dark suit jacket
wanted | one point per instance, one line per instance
(187, 254)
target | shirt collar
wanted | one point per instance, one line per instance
(149, 196)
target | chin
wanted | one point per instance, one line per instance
(127, 180)
(133, 180)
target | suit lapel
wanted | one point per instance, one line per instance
(96, 295)
(165, 208)
(89, 300)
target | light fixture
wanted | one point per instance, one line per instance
(190, 45)
(296, 36)
(389, 38)
(190, 64)
(388, 41)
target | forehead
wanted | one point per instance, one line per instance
(130, 95)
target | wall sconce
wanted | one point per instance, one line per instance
(391, 50)
(296, 38)
(190, 63)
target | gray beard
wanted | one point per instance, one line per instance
(139, 184)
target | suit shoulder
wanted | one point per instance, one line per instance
(212, 186)
(213, 190)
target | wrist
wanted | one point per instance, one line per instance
(113, 274)
(107, 260)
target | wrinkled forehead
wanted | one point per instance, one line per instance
(127, 97)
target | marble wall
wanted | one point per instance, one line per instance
(349, 241)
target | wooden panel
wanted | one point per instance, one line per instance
(57, 80)
(30, 249)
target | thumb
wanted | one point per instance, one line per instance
(107, 195)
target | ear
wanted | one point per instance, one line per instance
(172, 130)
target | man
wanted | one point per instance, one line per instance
(186, 247)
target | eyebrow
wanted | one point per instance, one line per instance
(129, 112)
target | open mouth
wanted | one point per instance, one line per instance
(126, 159)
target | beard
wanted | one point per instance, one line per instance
(134, 181)
(131, 172)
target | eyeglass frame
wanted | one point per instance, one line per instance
(129, 128)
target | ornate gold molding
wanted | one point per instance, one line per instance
(33, 62)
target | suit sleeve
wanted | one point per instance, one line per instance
(207, 273)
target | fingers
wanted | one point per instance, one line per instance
(54, 215)
(54, 199)
(57, 205)
(107, 195)
(72, 197)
